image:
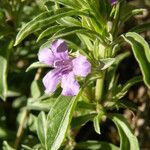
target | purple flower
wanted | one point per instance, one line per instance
(113, 1)
(65, 68)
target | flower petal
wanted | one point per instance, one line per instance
(113, 1)
(46, 56)
(51, 80)
(81, 66)
(59, 49)
(70, 85)
(59, 46)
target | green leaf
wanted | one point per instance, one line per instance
(105, 63)
(78, 30)
(97, 120)
(35, 147)
(85, 105)
(37, 88)
(96, 145)
(36, 65)
(96, 123)
(111, 75)
(128, 104)
(69, 21)
(141, 28)
(131, 13)
(3, 74)
(128, 140)
(58, 120)
(42, 127)
(81, 120)
(6, 146)
(121, 93)
(68, 3)
(4, 56)
(43, 103)
(141, 52)
(44, 20)
(49, 31)
(25, 147)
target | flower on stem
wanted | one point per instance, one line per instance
(65, 68)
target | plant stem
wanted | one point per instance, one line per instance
(99, 88)
(21, 129)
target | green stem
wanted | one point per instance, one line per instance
(99, 88)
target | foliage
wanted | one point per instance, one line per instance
(93, 28)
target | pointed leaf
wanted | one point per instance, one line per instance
(141, 52)
(42, 127)
(127, 85)
(78, 30)
(49, 31)
(4, 58)
(44, 20)
(37, 88)
(105, 63)
(58, 120)
(36, 65)
(6, 146)
(127, 139)
(81, 120)
(97, 120)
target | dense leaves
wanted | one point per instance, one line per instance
(97, 29)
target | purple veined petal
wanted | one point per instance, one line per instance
(81, 66)
(46, 56)
(70, 85)
(51, 80)
(60, 49)
(59, 46)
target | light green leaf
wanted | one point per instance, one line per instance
(25, 147)
(36, 88)
(96, 145)
(105, 63)
(4, 56)
(43, 103)
(97, 120)
(3, 73)
(96, 123)
(6, 146)
(58, 120)
(69, 21)
(36, 65)
(141, 52)
(42, 127)
(128, 140)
